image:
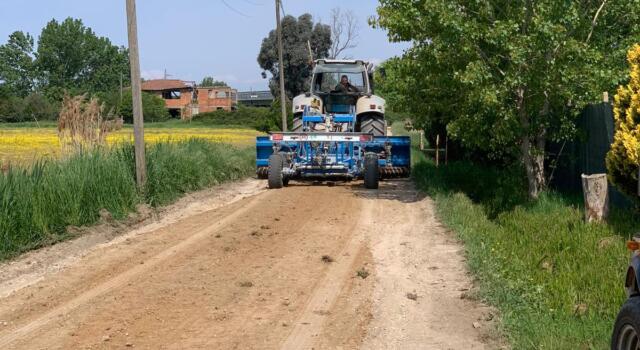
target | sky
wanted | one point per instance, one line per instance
(191, 39)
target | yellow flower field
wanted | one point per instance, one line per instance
(24, 145)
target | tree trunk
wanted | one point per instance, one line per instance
(596, 197)
(532, 147)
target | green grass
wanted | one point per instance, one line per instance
(38, 204)
(537, 262)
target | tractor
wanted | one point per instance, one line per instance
(339, 132)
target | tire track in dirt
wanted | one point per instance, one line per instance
(309, 324)
(122, 278)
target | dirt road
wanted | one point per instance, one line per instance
(323, 267)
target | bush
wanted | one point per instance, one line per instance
(624, 156)
(153, 108)
(34, 107)
(260, 118)
(38, 204)
(242, 116)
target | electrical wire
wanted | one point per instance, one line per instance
(254, 3)
(282, 8)
(234, 10)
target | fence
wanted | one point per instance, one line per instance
(586, 153)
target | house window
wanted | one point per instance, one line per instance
(212, 94)
(221, 94)
(171, 95)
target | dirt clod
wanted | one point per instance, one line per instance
(327, 259)
(412, 296)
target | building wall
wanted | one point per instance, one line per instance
(214, 98)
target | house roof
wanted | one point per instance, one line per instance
(164, 84)
(254, 95)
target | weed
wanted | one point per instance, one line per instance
(362, 273)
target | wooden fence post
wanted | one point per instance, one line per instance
(437, 150)
(596, 197)
(446, 150)
(422, 140)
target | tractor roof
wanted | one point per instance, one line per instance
(330, 61)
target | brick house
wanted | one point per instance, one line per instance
(184, 99)
(178, 96)
(212, 98)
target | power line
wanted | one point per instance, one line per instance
(254, 3)
(234, 10)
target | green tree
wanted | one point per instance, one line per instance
(71, 57)
(16, 63)
(153, 108)
(509, 76)
(210, 82)
(297, 66)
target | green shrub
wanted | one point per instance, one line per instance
(153, 108)
(34, 107)
(260, 118)
(37, 204)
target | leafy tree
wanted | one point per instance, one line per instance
(297, 67)
(509, 76)
(71, 57)
(209, 81)
(153, 108)
(624, 156)
(16, 63)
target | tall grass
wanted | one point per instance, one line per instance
(557, 281)
(38, 204)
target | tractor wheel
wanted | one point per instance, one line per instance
(297, 124)
(373, 124)
(626, 331)
(371, 171)
(274, 177)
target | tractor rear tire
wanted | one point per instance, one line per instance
(297, 124)
(274, 176)
(371, 171)
(373, 124)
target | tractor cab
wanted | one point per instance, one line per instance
(339, 84)
(340, 99)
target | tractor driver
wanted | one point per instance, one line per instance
(345, 85)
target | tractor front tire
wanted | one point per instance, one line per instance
(274, 176)
(371, 171)
(373, 124)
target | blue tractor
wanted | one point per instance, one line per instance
(339, 132)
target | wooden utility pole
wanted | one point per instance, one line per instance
(283, 96)
(136, 94)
